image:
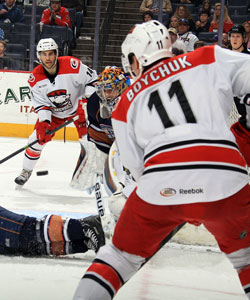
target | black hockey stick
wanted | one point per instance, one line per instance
(34, 142)
(165, 240)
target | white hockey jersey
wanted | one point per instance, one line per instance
(172, 127)
(59, 95)
(188, 39)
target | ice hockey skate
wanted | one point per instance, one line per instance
(23, 177)
(92, 229)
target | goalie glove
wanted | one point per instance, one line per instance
(242, 136)
(116, 203)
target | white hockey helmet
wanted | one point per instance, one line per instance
(46, 45)
(149, 42)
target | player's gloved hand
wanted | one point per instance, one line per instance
(80, 111)
(242, 136)
(41, 129)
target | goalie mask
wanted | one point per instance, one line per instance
(111, 83)
(148, 42)
(46, 45)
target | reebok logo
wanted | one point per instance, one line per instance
(191, 191)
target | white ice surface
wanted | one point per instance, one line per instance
(176, 273)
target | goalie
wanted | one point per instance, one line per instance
(93, 159)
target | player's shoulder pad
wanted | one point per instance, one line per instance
(68, 64)
(93, 105)
(37, 75)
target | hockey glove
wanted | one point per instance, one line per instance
(41, 132)
(242, 136)
(80, 111)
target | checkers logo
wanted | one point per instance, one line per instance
(168, 192)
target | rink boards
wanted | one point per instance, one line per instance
(17, 115)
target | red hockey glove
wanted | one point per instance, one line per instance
(41, 128)
(80, 111)
(242, 136)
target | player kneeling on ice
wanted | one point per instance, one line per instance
(49, 235)
(173, 135)
(111, 83)
(58, 86)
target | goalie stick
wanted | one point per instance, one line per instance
(34, 142)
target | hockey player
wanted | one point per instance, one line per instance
(50, 235)
(56, 85)
(237, 36)
(173, 134)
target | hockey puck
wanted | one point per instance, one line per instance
(42, 173)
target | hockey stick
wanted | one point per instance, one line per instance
(164, 241)
(34, 142)
(98, 197)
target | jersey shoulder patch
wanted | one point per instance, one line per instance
(68, 64)
(37, 75)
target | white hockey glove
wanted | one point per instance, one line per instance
(116, 203)
(90, 162)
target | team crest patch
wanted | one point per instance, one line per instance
(168, 192)
(31, 78)
(74, 63)
(60, 99)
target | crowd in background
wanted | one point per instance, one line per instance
(188, 21)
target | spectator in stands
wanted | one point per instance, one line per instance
(3, 61)
(185, 35)
(10, 13)
(206, 5)
(225, 40)
(237, 36)
(203, 24)
(174, 22)
(176, 43)
(247, 36)
(147, 16)
(79, 6)
(153, 6)
(57, 15)
(199, 44)
(182, 12)
(228, 23)
(1, 34)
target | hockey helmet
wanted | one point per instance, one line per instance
(111, 83)
(46, 45)
(237, 29)
(149, 42)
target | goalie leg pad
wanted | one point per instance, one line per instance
(88, 166)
